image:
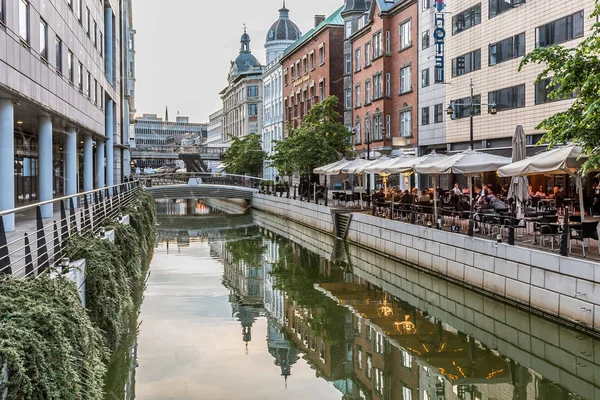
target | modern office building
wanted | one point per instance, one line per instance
(215, 128)
(484, 44)
(155, 140)
(384, 74)
(242, 98)
(312, 68)
(128, 84)
(60, 99)
(282, 34)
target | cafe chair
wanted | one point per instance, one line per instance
(588, 230)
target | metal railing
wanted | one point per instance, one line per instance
(34, 250)
(204, 178)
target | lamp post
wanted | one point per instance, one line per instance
(450, 112)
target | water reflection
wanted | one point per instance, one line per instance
(334, 331)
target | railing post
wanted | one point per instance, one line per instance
(4, 258)
(73, 219)
(42, 250)
(86, 220)
(327, 196)
(295, 187)
(64, 226)
(28, 260)
(56, 251)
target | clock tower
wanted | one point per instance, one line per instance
(281, 35)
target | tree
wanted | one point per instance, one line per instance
(320, 139)
(245, 156)
(573, 71)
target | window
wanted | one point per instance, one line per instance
(80, 76)
(43, 39)
(377, 45)
(388, 84)
(425, 40)
(88, 84)
(367, 92)
(462, 107)
(100, 43)
(348, 98)
(507, 49)
(305, 65)
(285, 77)
(426, 4)
(348, 64)
(87, 21)
(358, 355)
(405, 85)
(377, 126)
(388, 124)
(425, 116)
(95, 91)
(406, 359)
(348, 30)
(58, 50)
(466, 63)
(466, 19)
(378, 381)
(252, 109)
(367, 54)
(357, 60)
(425, 78)
(322, 90)
(368, 370)
(322, 54)
(406, 123)
(508, 98)
(80, 10)
(405, 39)
(406, 393)
(543, 90)
(499, 6)
(357, 96)
(388, 41)
(252, 91)
(379, 342)
(2, 11)
(560, 31)
(438, 113)
(24, 20)
(298, 70)
(95, 34)
(293, 71)
(311, 58)
(378, 85)
(368, 138)
(357, 137)
(70, 66)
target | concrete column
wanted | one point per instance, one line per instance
(88, 163)
(7, 160)
(46, 168)
(110, 159)
(100, 164)
(71, 162)
(108, 44)
(126, 163)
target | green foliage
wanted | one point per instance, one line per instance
(320, 139)
(249, 249)
(52, 349)
(573, 70)
(245, 156)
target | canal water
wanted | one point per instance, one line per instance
(255, 307)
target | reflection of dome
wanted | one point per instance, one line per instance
(281, 349)
(283, 28)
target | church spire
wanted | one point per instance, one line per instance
(245, 41)
(167, 113)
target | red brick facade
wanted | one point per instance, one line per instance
(385, 79)
(313, 71)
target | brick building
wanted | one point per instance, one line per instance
(313, 67)
(384, 66)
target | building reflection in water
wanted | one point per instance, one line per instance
(366, 342)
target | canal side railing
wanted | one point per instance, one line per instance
(197, 178)
(35, 250)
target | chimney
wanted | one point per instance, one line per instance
(318, 19)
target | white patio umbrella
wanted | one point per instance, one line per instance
(559, 161)
(334, 167)
(356, 167)
(519, 184)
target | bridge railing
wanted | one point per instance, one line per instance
(37, 245)
(203, 178)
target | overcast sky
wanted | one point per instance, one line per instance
(183, 47)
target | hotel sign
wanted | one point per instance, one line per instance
(302, 80)
(439, 36)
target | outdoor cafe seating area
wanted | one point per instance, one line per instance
(544, 218)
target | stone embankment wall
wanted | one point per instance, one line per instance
(229, 206)
(562, 287)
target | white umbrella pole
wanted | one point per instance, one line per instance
(580, 189)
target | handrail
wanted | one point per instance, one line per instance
(56, 200)
(193, 174)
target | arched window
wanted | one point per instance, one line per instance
(357, 137)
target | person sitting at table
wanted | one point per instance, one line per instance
(530, 190)
(480, 198)
(380, 195)
(424, 197)
(415, 194)
(407, 198)
(457, 190)
(504, 192)
(540, 193)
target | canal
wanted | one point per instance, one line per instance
(255, 307)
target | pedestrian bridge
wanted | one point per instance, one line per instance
(201, 186)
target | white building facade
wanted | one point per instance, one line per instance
(60, 99)
(280, 36)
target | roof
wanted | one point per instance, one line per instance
(283, 29)
(386, 5)
(334, 19)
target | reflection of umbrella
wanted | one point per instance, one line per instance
(519, 184)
